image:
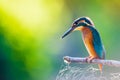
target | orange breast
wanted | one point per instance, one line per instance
(88, 41)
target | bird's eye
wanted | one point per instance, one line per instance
(76, 23)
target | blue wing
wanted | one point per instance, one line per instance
(98, 46)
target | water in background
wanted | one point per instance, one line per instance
(76, 72)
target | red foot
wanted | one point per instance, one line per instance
(90, 58)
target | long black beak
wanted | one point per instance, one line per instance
(68, 32)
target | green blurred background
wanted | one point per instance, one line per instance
(31, 47)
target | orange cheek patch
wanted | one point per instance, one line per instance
(82, 21)
(79, 28)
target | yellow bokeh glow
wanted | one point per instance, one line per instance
(36, 15)
(25, 11)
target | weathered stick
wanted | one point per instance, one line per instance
(68, 59)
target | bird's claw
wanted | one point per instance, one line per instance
(90, 58)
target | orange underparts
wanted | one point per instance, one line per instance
(88, 41)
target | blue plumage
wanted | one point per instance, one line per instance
(97, 43)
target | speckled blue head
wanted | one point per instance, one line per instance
(84, 19)
(78, 24)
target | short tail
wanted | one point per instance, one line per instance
(100, 67)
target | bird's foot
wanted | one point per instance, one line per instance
(90, 58)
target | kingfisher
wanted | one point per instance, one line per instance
(91, 38)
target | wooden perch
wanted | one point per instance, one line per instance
(68, 59)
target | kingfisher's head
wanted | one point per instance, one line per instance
(79, 24)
